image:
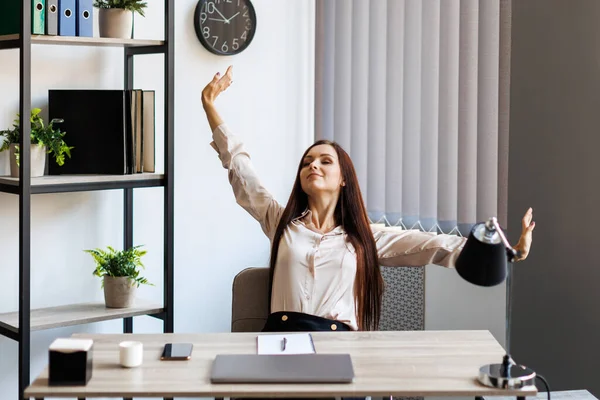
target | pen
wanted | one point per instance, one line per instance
(283, 343)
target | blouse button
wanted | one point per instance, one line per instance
(284, 318)
(333, 327)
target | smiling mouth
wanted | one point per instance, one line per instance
(313, 174)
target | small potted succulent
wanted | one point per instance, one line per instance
(45, 139)
(120, 273)
(115, 17)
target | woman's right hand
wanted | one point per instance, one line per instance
(216, 86)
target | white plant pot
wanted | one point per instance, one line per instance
(38, 160)
(115, 23)
(119, 292)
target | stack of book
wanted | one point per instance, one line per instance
(50, 17)
(112, 131)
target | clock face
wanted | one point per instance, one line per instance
(225, 27)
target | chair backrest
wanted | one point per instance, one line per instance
(403, 307)
(250, 301)
(403, 300)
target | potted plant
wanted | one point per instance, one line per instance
(115, 17)
(45, 139)
(120, 273)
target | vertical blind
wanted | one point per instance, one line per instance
(417, 92)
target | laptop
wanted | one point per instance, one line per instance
(297, 368)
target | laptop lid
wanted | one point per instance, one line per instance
(297, 368)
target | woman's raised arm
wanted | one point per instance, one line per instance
(247, 188)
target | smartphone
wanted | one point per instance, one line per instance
(177, 351)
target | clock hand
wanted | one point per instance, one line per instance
(234, 15)
(219, 12)
(218, 19)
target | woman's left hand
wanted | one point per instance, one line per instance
(524, 243)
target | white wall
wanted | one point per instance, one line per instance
(270, 105)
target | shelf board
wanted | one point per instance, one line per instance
(82, 41)
(76, 314)
(79, 183)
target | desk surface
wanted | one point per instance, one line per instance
(423, 363)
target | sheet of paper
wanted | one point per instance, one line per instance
(295, 343)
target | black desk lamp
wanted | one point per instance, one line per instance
(483, 262)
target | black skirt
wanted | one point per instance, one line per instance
(285, 321)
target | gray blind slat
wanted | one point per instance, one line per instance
(342, 76)
(448, 118)
(376, 106)
(394, 114)
(467, 111)
(487, 112)
(430, 90)
(360, 91)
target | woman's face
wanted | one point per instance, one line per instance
(320, 172)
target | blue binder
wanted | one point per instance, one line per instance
(66, 17)
(84, 23)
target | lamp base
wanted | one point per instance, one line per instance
(507, 375)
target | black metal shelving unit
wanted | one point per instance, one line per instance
(18, 325)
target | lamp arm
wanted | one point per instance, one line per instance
(511, 253)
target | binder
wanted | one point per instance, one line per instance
(66, 17)
(84, 21)
(38, 17)
(52, 17)
(98, 125)
(10, 21)
(148, 131)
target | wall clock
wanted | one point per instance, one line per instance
(225, 27)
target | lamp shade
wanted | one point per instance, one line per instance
(483, 259)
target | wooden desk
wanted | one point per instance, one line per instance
(424, 363)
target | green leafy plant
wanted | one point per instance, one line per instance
(125, 263)
(44, 135)
(137, 6)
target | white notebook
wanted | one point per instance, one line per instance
(294, 343)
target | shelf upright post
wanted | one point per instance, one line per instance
(128, 193)
(24, 196)
(169, 59)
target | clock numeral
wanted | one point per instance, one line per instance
(216, 40)
(244, 36)
(206, 32)
(210, 7)
(203, 17)
(224, 48)
(235, 44)
(246, 14)
(228, 1)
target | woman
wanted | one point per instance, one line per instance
(325, 257)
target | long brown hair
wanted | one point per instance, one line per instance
(351, 214)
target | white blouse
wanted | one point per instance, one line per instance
(315, 272)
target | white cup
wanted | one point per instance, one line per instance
(131, 354)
